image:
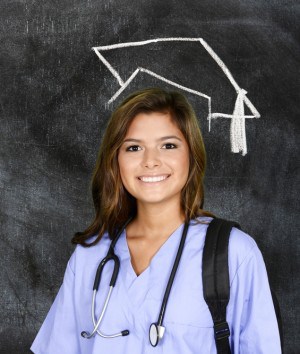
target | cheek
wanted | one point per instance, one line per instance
(183, 163)
(186, 173)
(125, 168)
(121, 166)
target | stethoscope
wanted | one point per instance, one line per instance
(156, 330)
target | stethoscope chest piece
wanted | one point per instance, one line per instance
(156, 333)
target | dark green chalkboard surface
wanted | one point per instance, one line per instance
(66, 64)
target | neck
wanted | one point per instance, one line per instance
(153, 221)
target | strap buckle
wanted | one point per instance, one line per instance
(221, 330)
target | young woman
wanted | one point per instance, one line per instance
(148, 195)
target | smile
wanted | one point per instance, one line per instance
(153, 179)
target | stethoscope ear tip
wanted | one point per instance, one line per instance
(125, 333)
(85, 334)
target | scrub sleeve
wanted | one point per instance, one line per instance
(251, 309)
(59, 332)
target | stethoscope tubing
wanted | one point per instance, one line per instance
(158, 328)
(96, 325)
(110, 256)
(172, 276)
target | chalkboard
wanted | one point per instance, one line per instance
(57, 93)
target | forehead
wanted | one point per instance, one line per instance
(153, 124)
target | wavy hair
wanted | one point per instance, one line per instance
(113, 204)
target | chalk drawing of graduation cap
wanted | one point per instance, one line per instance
(238, 117)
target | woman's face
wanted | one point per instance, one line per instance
(154, 159)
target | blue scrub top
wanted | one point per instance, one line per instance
(136, 300)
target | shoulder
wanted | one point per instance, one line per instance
(241, 248)
(240, 243)
(88, 256)
(243, 252)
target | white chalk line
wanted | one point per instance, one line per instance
(209, 114)
(237, 130)
(224, 115)
(238, 127)
(123, 87)
(221, 64)
(251, 107)
(172, 83)
(184, 88)
(109, 67)
(211, 52)
(149, 41)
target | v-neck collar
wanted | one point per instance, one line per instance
(157, 253)
(167, 247)
(163, 260)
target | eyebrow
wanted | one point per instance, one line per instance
(159, 139)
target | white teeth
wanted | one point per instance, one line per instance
(153, 179)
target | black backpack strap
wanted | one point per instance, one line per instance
(215, 277)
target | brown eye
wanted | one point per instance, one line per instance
(133, 148)
(170, 146)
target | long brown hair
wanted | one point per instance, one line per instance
(113, 204)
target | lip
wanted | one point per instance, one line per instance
(151, 176)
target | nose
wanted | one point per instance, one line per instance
(151, 158)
